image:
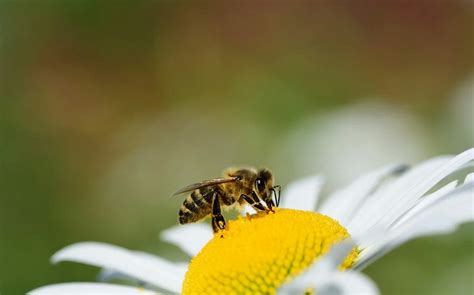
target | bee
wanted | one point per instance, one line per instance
(237, 186)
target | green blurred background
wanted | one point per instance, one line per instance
(107, 107)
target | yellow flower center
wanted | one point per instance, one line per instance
(260, 252)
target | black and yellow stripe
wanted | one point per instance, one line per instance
(196, 206)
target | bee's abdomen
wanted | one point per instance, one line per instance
(196, 206)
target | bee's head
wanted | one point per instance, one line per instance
(249, 180)
(264, 184)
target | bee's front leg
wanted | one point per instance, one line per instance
(270, 205)
(254, 202)
(218, 221)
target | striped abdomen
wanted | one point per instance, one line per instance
(197, 205)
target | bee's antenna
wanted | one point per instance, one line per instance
(274, 193)
(277, 198)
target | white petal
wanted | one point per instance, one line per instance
(89, 289)
(427, 201)
(409, 198)
(247, 209)
(158, 272)
(302, 194)
(389, 204)
(190, 237)
(179, 267)
(441, 217)
(107, 274)
(347, 283)
(342, 204)
(469, 178)
(380, 202)
(326, 264)
(324, 277)
(337, 282)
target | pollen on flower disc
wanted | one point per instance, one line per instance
(258, 253)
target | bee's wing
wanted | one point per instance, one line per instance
(204, 183)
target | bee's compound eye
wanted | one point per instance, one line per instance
(260, 184)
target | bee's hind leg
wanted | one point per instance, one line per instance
(218, 221)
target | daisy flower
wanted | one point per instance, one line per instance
(304, 245)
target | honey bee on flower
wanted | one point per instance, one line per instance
(238, 186)
(297, 249)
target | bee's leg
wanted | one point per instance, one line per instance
(255, 204)
(218, 221)
(270, 204)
